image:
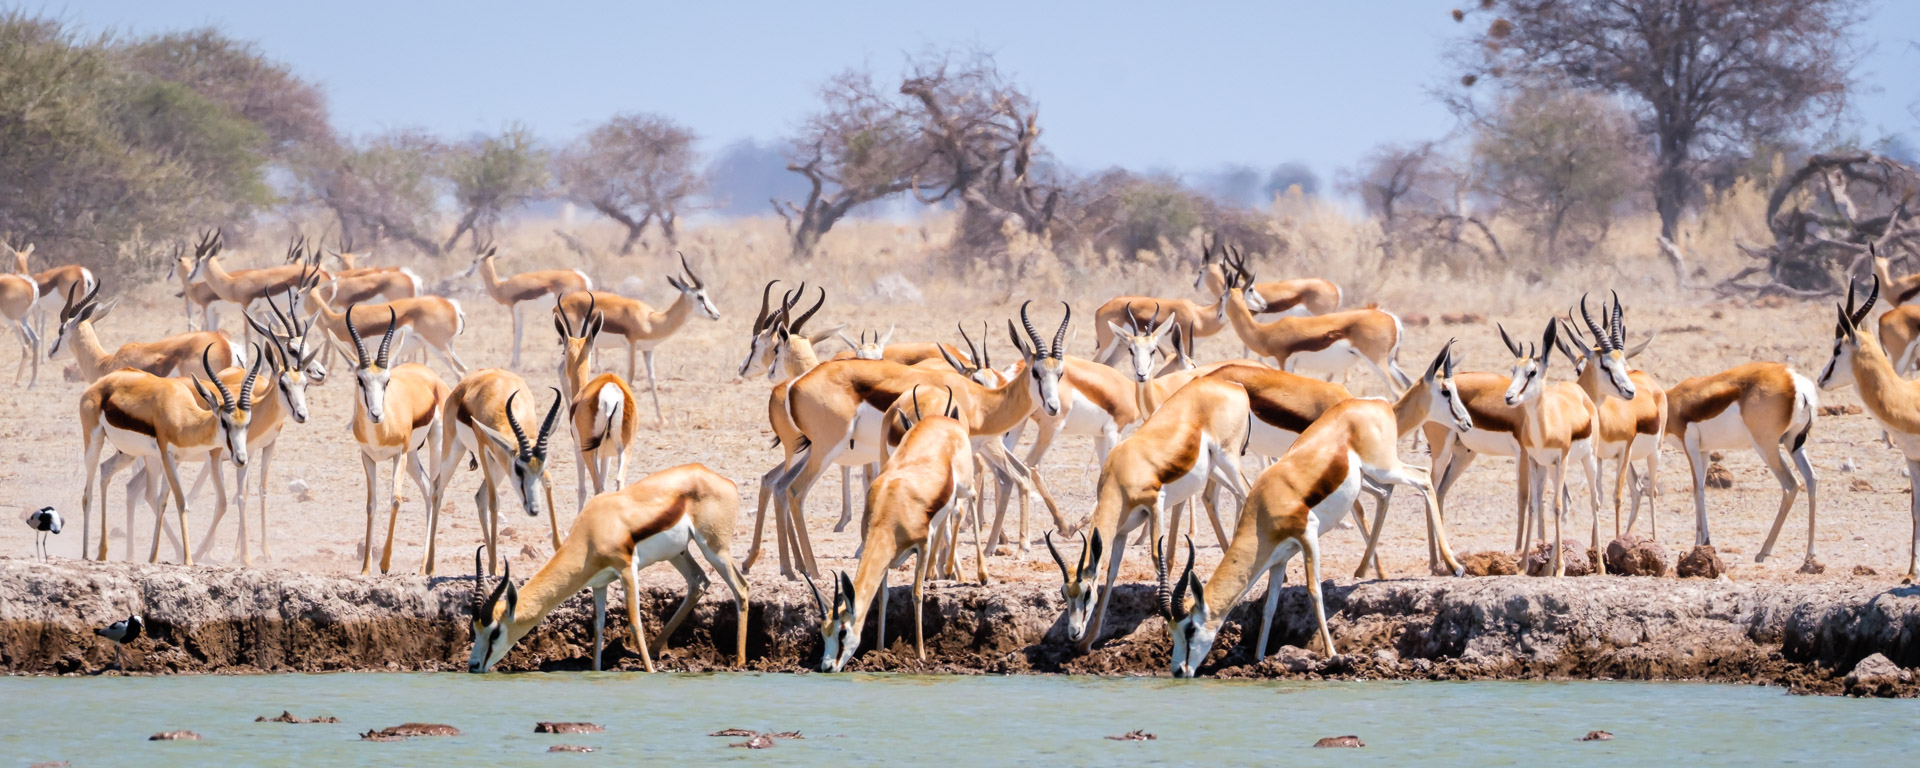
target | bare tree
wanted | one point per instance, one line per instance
(1825, 217)
(491, 177)
(1710, 76)
(1562, 160)
(386, 187)
(858, 149)
(634, 169)
(982, 131)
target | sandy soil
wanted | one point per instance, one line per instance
(717, 419)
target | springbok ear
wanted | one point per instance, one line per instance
(1566, 346)
(1094, 548)
(677, 285)
(1635, 350)
(889, 336)
(847, 340)
(1117, 330)
(206, 396)
(513, 594)
(500, 441)
(829, 333)
(561, 326)
(958, 366)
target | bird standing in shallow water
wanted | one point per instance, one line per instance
(122, 632)
(45, 521)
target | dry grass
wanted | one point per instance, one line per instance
(872, 269)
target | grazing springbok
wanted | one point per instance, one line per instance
(170, 356)
(1291, 298)
(926, 481)
(1763, 406)
(395, 417)
(246, 286)
(638, 327)
(55, 284)
(1629, 427)
(523, 287)
(600, 408)
(1858, 359)
(17, 295)
(662, 517)
(150, 418)
(477, 415)
(1559, 428)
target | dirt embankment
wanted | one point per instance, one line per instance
(1805, 636)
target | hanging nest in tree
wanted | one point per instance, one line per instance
(1843, 206)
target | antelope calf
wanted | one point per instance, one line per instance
(638, 327)
(927, 480)
(664, 516)
(523, 287)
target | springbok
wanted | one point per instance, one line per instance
(1629, 427)
(395, 417)
(148, 417)
(662, 517)
(523, 287)
(633, 324)
(170, 356)
(433, 320)
(1901, 291)
(1858, 359)
(246, 286)
(926, 481)
(1763, 406)
(1289, 298)
(1195, 321)
(55, 284)
(599, 407)
(1559, 428)
(17, 295)
(1320, 345)
(196, 297)
(477, 415)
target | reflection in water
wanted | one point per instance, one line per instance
(868, 719)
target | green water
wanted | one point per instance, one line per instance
(871, 719)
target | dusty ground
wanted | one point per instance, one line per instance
(717, 419)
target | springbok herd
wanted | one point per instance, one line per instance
(928, 423)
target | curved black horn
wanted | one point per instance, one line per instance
(1599, 337)
(1448, 351)
(986, 357)
(1873, 295)
(973, 353)
(386, 341)
(1511, 347)
(546, 427)
(1619, 323)
(808, 315)
(593, 308)
(206, 362)
(1060, 336)
(566, 321)
(1133, 320)
(1039, 349)
(760, 320)
(914, 395)
(818, 599)
(691, 277)
(476, 580)
(1161, 593)
(353, 332)
(1186, 578)
(253, 374)
(513, 423)
(1057, 559)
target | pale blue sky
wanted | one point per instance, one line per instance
(1185, 86)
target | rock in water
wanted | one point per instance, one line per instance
(1597, 736)
(1339, 741)
(1134, 735)
(1574, 560)
(409, 730)
(546, 727)
(1719, 477)
(1635, 556)
(191, 736)
(1875, 675)
(569, 748)
(1701, 562)
(1490, 564)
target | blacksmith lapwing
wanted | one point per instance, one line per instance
(122, 632)
(44, 521)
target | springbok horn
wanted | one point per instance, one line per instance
(1873, 295)
(1057, 559)
(1449, 352)
(253, 375)
(760, 320)
(566, 321)
(1599, 337)
(1060, 336)
(695, 279)
(1039, 349)
(359, 345)
(973, 354)
(519, 434)
(593, 304)
(1511, 347)
(386, 341)
(206, 361)
(1160, 591)
(546, 427)
(1133, 320)
(818, 599)
(808, 315)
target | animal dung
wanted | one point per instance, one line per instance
(546, 727)
(1339, 741)
(1702, 562)
(1134, 735)
(1597, 736)
(1632, 555)
(174, 736)
(1861, 570)
(1719, 477)
(1860, 485)
(1490, 563)
(570, 748)
(287, 717)
(406, 731)
(1839, 410)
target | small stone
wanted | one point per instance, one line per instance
(1294, 659)
(1634, 556)
(570, 748)
(1861, 570)
(174, 736)
(1491, 563)
(1719, 477)
(287, 717)
(759, 741)
(1701, 562)
(1135, 735)
(1859, 485)
(1875, 675)
(1716, 456)
(1847, 465)
(1339, 741)
(546, 727)
(1597, 736)
(1415, 320)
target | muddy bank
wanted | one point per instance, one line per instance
(1804, 636)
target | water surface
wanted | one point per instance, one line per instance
(882, 719)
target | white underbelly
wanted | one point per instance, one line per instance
(1725, 431)
(1085, 418)
(1195, 480)
(1335, 359)
(1909, 445)
(1338, 504)
(131, 443)
(1488, 443)
(863, 445)
(1270, 441)
(663, 545)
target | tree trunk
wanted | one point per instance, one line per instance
(668, 223)
(466, 225)
(1670, 185)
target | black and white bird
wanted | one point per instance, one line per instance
(122, 632)
(44, 521)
